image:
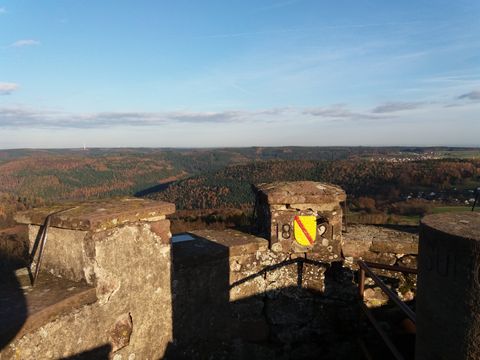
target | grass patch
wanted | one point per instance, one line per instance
(446, 209)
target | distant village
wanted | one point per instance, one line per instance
(402, 157)
(452, 197)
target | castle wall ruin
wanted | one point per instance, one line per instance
(124, 290)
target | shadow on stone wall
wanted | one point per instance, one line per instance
(287, 322)
(14, 278)
(200, 278)
(98, 353)
(13, 306)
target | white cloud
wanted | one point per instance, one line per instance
(397, 106)
(340, 112)
(25, 42)
(7, 88)
(328, 125)
(18, 117)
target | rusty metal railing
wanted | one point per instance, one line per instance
(477, 195)
(366, 269)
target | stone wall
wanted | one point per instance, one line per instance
(237, 298)
(390, 245)
(383, 244)
(220, 294)
(233, 295)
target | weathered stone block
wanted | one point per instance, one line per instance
(25, 308)
(408, 261)
(129, 266)
(98, 215)
(237, 243)
(66, 252)
(301, 192)
(380, 258)
(247, 288)
(380, 239)
(313, 277)
(161, 228)
(356, 247)
(396, 245)
(278, 205)
(281, 277)
(374, 297)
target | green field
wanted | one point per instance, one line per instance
(461, 154)
(445, 209)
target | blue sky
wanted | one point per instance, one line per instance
(239, 73)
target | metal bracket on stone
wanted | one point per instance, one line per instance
(40, 242)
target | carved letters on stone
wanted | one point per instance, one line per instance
(439, 259)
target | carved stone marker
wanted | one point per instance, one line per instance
(285, 211)
(448, 298)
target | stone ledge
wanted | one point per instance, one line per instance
(25, 308)
(237, 243)
(364, 239)
(301, 192)
(192, 253)
(98, 215)
(464, 224)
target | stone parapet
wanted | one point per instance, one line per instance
(257, 298)
(380, 244)
(120, 249)
(237, 243)
(26, 308)
(120, 288)
(97, 215)
(76, 230)
(301, 192)
(383, 245)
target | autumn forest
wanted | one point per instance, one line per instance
(212, 187)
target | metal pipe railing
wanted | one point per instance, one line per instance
(365, 268)
(477, 195)
(392, 296)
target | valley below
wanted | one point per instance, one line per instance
(212, 188)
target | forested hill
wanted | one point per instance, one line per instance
(380, 180)
(53, 175)
(213, 178)
(31, 178)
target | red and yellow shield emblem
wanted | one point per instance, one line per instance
(305, 229)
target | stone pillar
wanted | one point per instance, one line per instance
(280, 203)
(448, 298)
(122, 249)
